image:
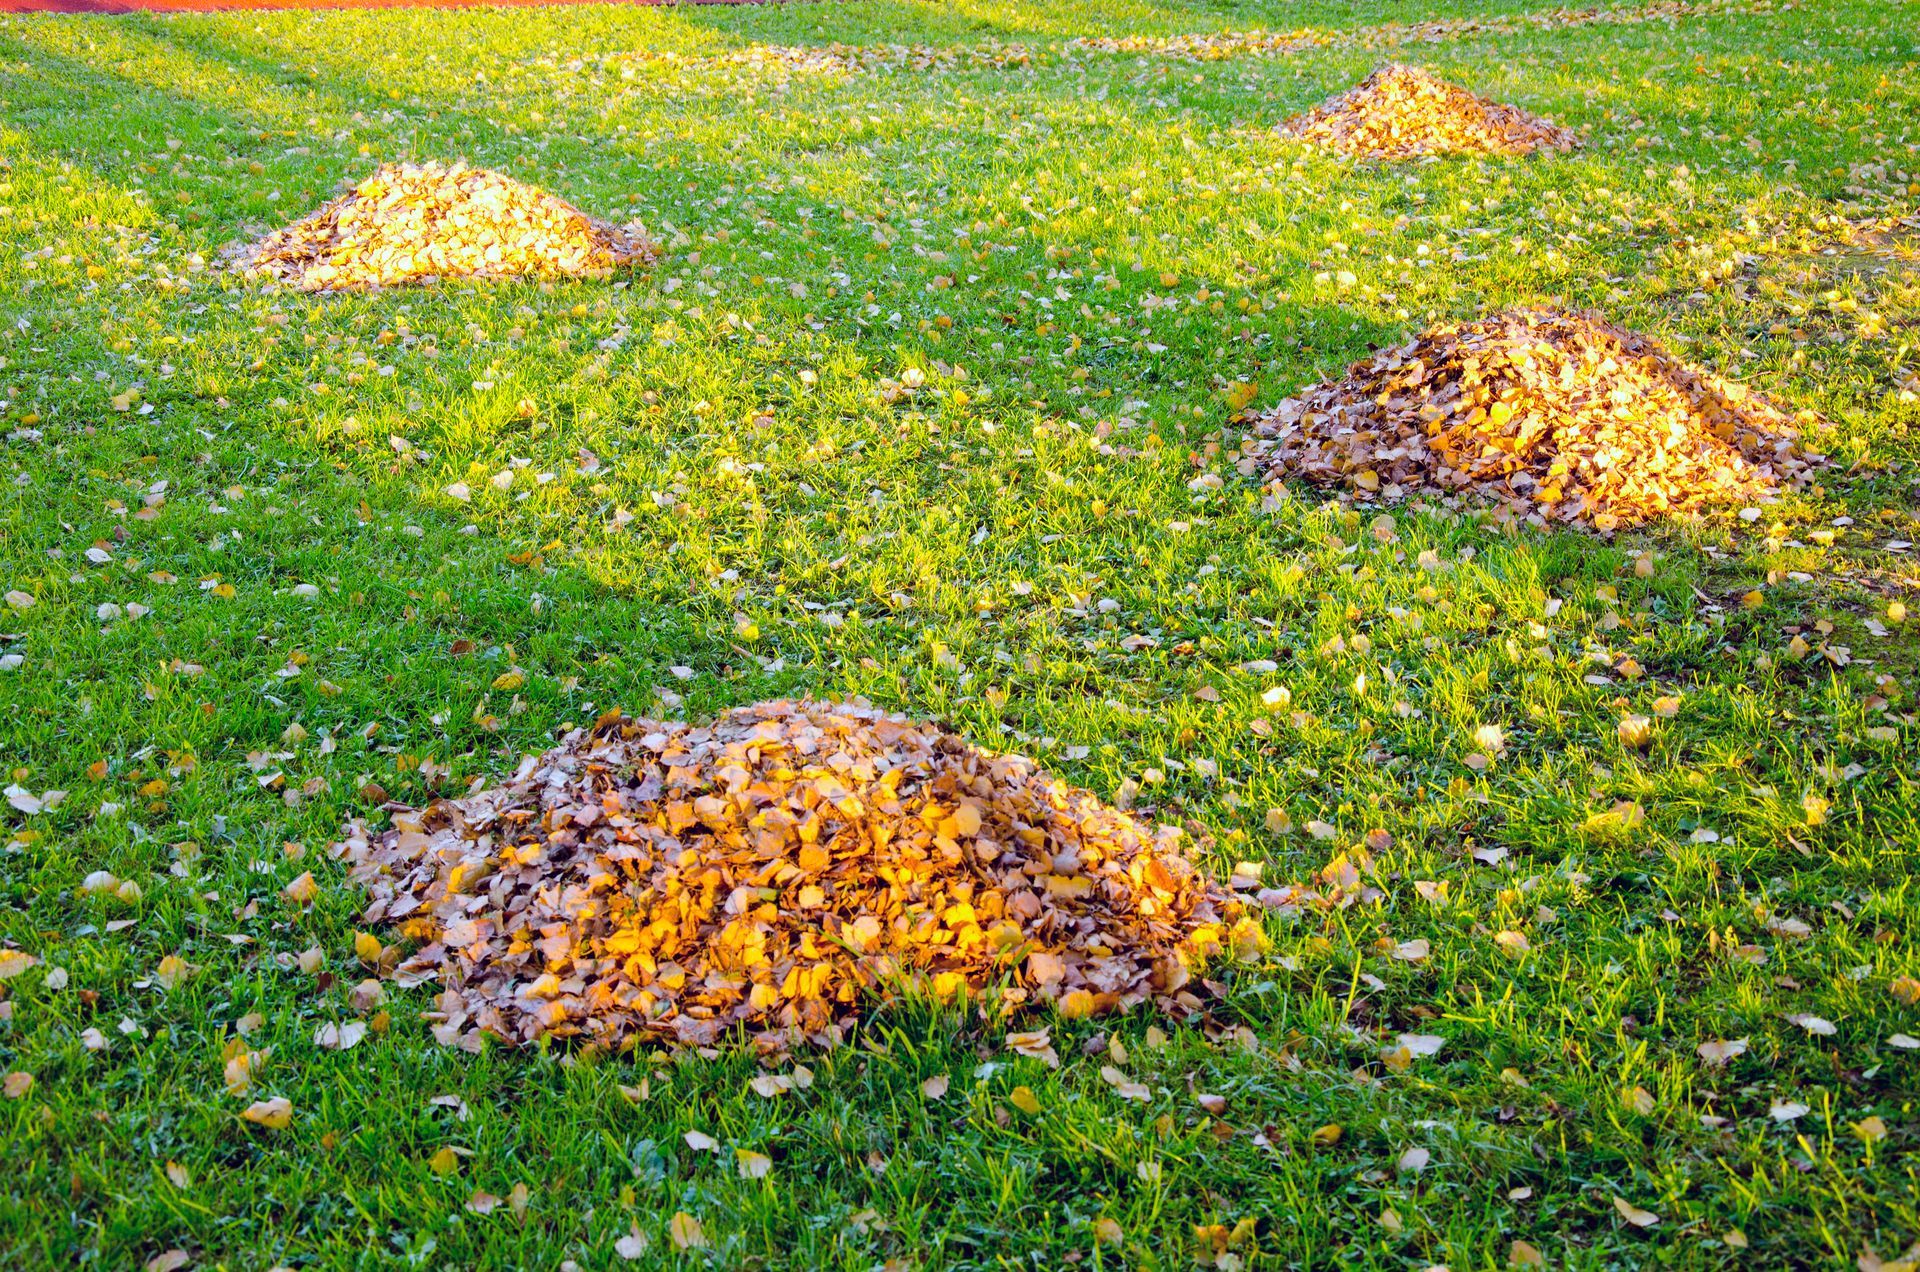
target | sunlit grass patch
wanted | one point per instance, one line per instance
(936, 397)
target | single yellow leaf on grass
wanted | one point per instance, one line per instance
(1327, 1136)
(172, 970)
(1025, 1100)
(14, 962)
(367, 946)
(750, 1164)
(1107, 1232)
(1524, 1255)
(1635, 732)
(1634, 1215)
(686, 1232)
(238, 1073)
(302, 890)
(275, 1114)
(443, 1162)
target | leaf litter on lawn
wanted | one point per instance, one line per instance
(411, 223)
(1403, 112)
(776, 869)
(1558, 415)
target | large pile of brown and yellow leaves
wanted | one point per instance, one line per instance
(1560, 415)
(1400, 112)
(774, 870)
(412, 223)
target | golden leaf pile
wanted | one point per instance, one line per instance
(412, 223)
(774, 65)
(1554, 413)
(1400, 112)
(771, 870)
(1209, 47)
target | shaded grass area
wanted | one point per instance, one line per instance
(929, 402)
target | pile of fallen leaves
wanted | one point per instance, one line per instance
(773, 870)
(1213, 47)
(1400, 112)
(412, 223)
(1560, 415)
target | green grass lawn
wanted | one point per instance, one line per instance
(927, 401)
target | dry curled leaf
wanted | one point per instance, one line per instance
(333, 1037)
(275, 1114)
(686, 1232)
(1125, 1086)
(1633, 1214)
(632, 1244)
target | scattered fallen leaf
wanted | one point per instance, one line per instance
(686, 1232)
(1813, 1024)
(275, 1114)
(1633, 1214)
